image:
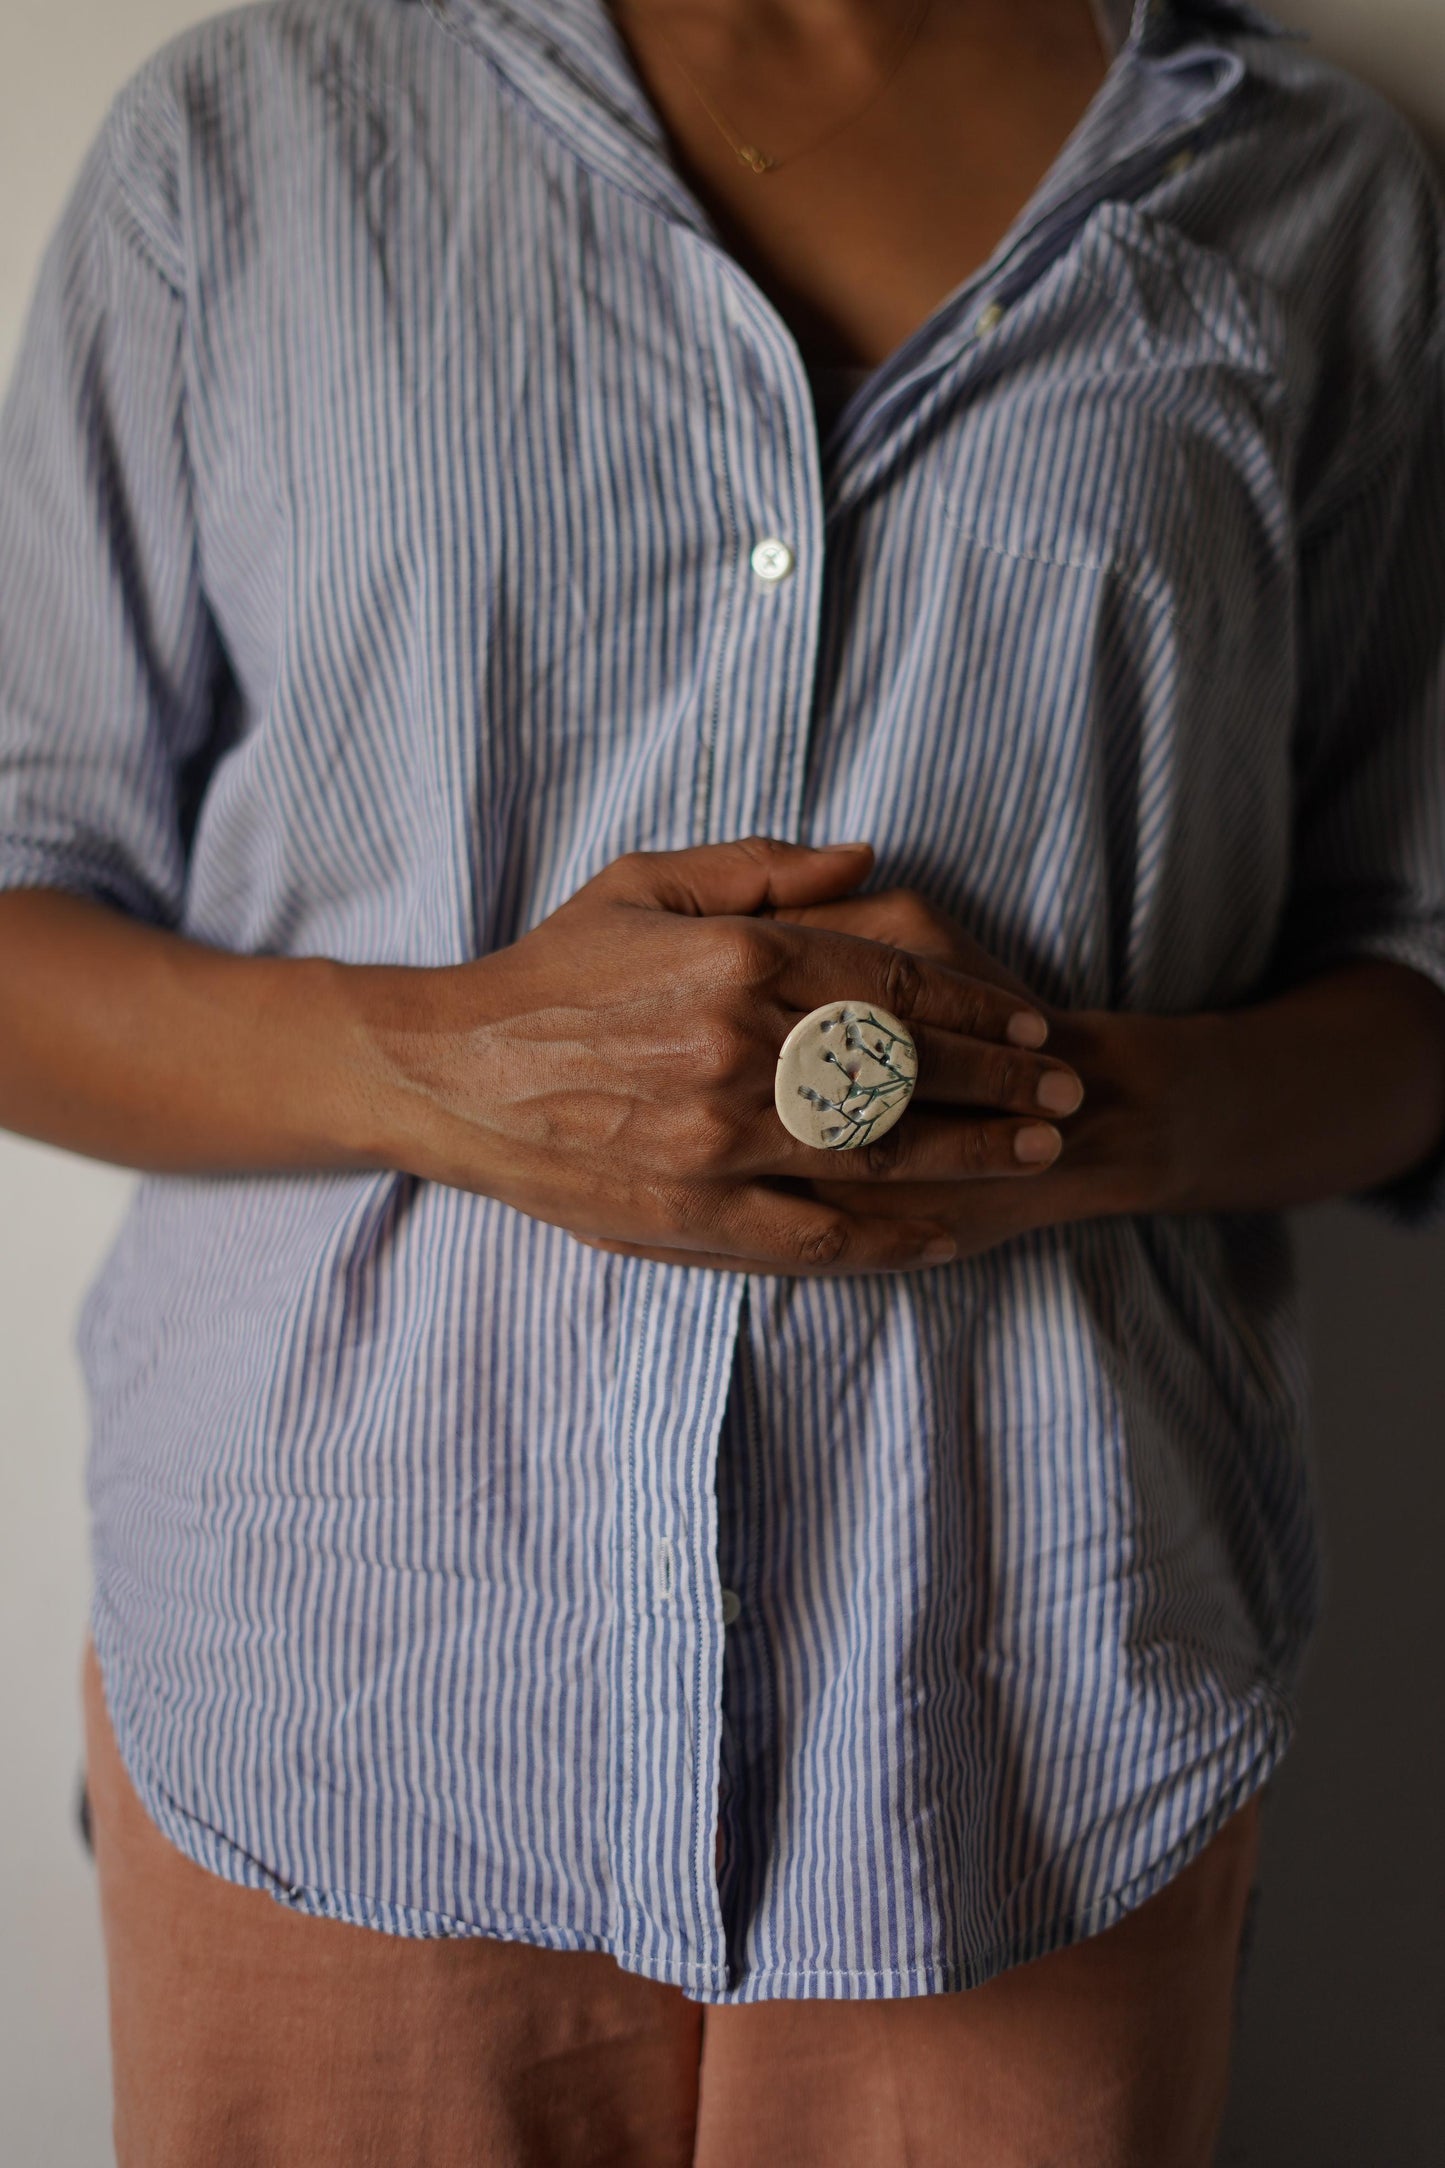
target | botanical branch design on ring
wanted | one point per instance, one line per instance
(873, 1056)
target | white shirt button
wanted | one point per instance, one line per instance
(772, 560)
(731, 1605)
(990, 317)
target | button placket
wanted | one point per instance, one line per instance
(665, 1532)
(761, 453)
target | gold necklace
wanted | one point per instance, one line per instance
(759, 161)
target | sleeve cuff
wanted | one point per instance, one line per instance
(31, 865)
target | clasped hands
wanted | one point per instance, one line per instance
(1111, 1151)
(612, 1072)
(1117, 1146)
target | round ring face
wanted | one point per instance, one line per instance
(845, 1073)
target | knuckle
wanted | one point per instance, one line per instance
(889, 912)
(825, 1244)
(714, 1138)
(977, 1010)
(745, 952)
(907, 911)
(915, 918)
(886, 1155)
(717, 1054)
(902, 985)
(977, 1147)
(1006, 1080)
(627, 871)
(685, 1209)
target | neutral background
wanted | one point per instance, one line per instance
(1342, 2057)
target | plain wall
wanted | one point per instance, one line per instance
(1340, 2060)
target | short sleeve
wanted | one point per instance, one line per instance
(1368, 869)
(109, 659)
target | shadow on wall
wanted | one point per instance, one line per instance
(1398, 45)
(1341, 2059)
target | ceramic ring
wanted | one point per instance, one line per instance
(845, 1074)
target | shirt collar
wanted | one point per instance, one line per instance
(1126, 22)
(566, 58)
(1114, 18)
(1123, 22)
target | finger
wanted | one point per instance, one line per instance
(990, 1212)
(957, 1071)
(969, 1072)
(745, 875)
(922, 1147)
(906, 920)
(859, 917)
(822, 965)
(769, 1230)
(717, 1262)
(714, 1262)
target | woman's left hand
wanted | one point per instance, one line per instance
(1124, 1150)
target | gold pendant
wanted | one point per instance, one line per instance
(758, 160)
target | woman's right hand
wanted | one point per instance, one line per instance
(612, 1071)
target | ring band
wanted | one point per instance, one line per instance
(845, 1074)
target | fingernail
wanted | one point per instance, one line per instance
(1027, 1028)
(939, 1250)
(1059, 1092)
(1036, 1142)
(858, 846)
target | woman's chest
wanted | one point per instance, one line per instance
(546, 553)
(859, 186)
(595, 417)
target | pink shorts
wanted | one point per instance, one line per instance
(247, 2036)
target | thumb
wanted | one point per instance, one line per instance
(741, 876)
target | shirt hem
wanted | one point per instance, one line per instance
(1061, 1932)
(207, 1847)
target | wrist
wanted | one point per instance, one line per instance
(1139, 1143)
(411, 1043)
(1192, 1086)
(373, 1031)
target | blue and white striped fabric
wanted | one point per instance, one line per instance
(377, 488)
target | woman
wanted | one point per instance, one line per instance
(615, 1638)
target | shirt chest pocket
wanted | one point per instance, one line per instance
(1127, 422)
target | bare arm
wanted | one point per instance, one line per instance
(1330, 1088)
(610, 1072)
(130, 1044)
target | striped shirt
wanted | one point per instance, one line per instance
(378, 485)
